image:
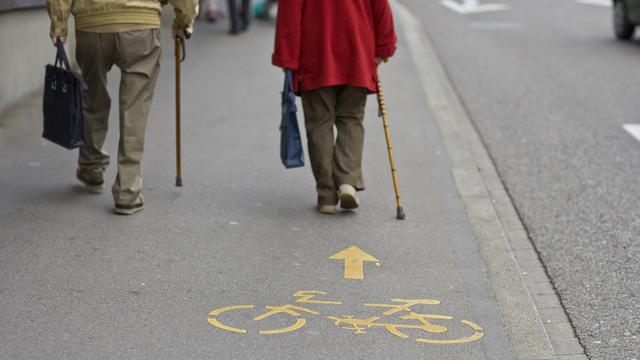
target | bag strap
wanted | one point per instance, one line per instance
(288, 81)
(61, 55)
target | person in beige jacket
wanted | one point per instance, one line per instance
(125, 33)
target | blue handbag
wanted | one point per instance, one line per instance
(291, 152)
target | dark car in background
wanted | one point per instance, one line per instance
(626, 16)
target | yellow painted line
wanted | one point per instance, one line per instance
(406, 307)
(219, 325)
(288, 309)
(299, 323)
(357, 325)
(221, 310)
(213, 321)
(477, 334)
(305, 296)
(354, 259)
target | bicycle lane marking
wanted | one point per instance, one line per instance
(399, 310)
(357, 325)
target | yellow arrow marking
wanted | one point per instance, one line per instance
(354, 259)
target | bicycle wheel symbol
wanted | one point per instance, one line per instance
(424, 324)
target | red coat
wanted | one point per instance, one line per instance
(333, 42)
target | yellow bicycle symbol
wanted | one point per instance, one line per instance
(288, 309)
(401, 309)
(359, 325)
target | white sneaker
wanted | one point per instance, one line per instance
(348, 197)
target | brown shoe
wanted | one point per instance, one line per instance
(92, 178)
(122, 209)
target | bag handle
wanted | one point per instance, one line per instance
(287, 93)
(63, 60)
(61, 55)
(288, 81)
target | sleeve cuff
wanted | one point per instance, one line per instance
(58, 29)
(284, 63)
(385, 52)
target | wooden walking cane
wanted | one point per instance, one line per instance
(180, 55)
(382, 112)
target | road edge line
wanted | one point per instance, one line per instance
(515, 271)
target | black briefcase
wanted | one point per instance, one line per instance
(62, 102)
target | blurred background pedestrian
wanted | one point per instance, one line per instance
(239, 14)
(262, 10)
(213, 10)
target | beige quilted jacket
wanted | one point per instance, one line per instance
(92, 13)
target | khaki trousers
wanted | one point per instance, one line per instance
(137, 54)
(335, 162)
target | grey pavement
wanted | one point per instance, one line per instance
(549, 88)
(81, 283)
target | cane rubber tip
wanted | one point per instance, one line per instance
(400, 215)
(178, 181)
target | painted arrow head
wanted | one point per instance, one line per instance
(353, 253)
(354, 259)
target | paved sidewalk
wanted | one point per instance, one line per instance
(235, 265)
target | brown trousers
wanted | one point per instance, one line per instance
(137, 54)
(339, 161)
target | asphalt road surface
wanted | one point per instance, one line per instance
(549, 89)
(235, 265)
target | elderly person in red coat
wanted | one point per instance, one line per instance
(333, 48)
